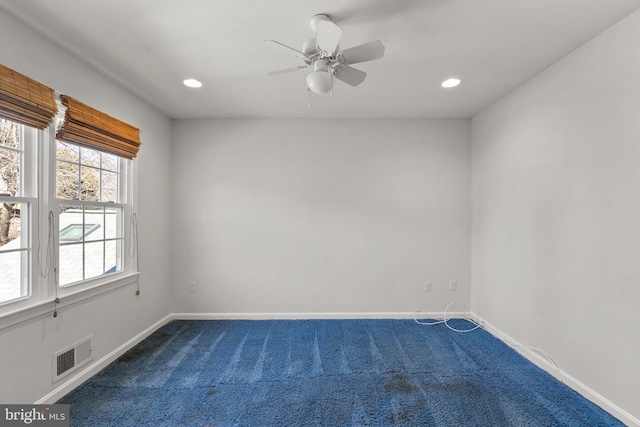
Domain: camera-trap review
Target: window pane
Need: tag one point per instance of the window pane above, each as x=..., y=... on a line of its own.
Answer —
x=10, y=158
x=89, y=184
x=93, y=259
x=113, y=221
x=9, y=172
x=94, y=223
x=67, y=181
x=67, y=152
x=10, y=226
x=10, y=277
x=69, y=216
x=90, y=157
x=70, y=264
x=13, y=251
x=10, y=134
x=110, y=162
x=111, y=264
x=109, y=187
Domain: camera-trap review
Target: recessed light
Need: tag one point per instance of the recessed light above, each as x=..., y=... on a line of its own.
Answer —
x=192, y=83
x=449, y=83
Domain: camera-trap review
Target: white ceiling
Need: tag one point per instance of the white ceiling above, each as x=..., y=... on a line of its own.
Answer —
x=150, y=46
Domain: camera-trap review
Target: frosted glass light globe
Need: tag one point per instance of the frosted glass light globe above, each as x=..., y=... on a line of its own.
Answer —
x=320, y=82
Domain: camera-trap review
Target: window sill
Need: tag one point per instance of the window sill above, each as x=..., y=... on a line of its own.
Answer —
x=42, y=308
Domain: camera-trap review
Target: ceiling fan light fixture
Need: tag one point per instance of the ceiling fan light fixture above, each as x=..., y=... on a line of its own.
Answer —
x=449, y=83
x=192, y=83
x=320, y=82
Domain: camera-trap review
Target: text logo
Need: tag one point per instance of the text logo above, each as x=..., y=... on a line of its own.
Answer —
x=34, y=415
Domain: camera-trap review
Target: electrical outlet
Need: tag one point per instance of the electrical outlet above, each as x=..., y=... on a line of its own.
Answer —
x=192, y=286
x=453, y=285
x=428, y=286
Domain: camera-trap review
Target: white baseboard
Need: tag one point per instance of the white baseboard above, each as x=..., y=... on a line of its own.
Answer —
x=93, y=368
x=332, y=315
x=546, y=365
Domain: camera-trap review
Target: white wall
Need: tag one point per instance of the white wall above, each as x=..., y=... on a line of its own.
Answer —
x=319, y=216
x=556, y=213
x=116, y=317
x=352, y=216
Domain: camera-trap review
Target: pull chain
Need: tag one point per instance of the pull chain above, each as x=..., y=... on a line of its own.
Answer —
x=332, y=83
x=309, y=90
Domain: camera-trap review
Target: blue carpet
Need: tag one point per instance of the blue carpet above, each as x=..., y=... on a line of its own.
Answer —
x=329, y=373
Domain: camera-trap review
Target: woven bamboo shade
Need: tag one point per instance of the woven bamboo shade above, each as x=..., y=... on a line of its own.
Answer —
x=26, y=101
x=88, y=127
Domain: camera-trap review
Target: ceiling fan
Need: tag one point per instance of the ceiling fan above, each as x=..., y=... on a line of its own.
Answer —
x=322, y=55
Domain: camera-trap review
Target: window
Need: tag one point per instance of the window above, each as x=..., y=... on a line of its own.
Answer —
x=16, y=185
x=90, y=204
x=65, y=197
x=89, y=201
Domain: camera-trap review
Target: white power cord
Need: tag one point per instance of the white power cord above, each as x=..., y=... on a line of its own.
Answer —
x=447, y=319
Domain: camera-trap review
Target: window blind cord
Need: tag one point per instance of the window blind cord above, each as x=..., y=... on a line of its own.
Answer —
x=46, y=269
x=54, y=264
x=514, y=346
x=49, y=264
x=133, y=245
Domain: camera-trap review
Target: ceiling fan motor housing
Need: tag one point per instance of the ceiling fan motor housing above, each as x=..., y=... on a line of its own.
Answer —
x=313, y=21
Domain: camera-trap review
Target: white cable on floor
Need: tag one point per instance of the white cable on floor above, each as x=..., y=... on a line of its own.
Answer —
x=478, y=326
x=425, y=323
x=446, y=319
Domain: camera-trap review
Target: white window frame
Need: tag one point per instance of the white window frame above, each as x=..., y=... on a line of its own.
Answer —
x=40, y=178
x=29, y=139
x=125, y=198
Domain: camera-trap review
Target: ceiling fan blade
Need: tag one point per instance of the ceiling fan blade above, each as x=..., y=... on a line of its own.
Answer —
x=287, y=49
x=350, y=75
x=364, y=52
x=286, y=70
x=327, y=36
